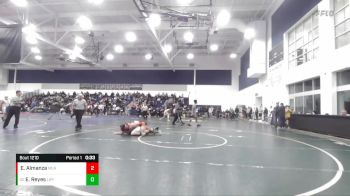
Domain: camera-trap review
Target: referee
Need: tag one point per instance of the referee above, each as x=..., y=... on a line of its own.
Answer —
x=79, y=107
x=14, y=109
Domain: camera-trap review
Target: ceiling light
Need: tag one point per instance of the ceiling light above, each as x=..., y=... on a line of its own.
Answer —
x=20, y=3
x=29, y=29
x=223, y=18
x=118, y=48
x=96, y=2
x=188, y=36
x=249, y=33
x=79, y=40
x=38, y=57
x=77, y=50
x=148, y=56
x=31, y=39
x=110, y=57
x=167, y=48
x=35, y=50
x=233, y=55
x=130, y=36
x=184, y=2
x=84, y=22
x=214, y=47
x=72, y=56
x=190, y=56
x=154, y=20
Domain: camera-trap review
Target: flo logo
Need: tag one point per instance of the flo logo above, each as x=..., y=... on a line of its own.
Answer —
x=325, y=13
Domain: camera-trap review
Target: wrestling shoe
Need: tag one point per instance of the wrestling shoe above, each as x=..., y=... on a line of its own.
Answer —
x=156, y=130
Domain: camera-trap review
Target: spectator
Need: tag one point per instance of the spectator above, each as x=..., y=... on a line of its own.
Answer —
x=281, y=116
x=266, y=112
x=275, y=113
x=288, y=115
x=237, y=112
x=5, y=107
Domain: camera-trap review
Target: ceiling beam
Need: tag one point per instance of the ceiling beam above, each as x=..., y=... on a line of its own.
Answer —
x=152, y=32
x=49, y=11
x=117, y=27
x=38, y=36
x=71, y=3
x=170, y=32
x=78, y=13
x=55, y=3
x=248, y=8
x=36, y=66
x=7, y=21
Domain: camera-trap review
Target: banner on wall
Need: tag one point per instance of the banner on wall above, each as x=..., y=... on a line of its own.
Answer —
x=89, y=86
x=276, y=54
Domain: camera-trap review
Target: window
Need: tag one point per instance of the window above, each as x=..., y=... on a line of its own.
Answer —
x=308, y=85
x=342, y=23
x=317, y=104
x=299, y=87
x=291, y=103
x=343, y=40
x=299, y=32
x=340, y=17
x=299, y=105
x=344, y=102
x=339, y=4
x=291, y=89
x=303, y=41
x=304, y=96
x=317, y=84
x=291, y=37
x=343, y=78
x=315, y=20
x=308, y=104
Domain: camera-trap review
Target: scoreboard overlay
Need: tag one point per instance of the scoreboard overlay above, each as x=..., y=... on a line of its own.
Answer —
x=57, y=169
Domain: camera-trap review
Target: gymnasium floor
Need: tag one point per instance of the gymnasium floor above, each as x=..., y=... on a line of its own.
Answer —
x=221, y=157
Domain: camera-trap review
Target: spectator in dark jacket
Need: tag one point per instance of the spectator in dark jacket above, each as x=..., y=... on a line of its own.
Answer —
x=275, y=113
x=266, y=112
x=281, y=116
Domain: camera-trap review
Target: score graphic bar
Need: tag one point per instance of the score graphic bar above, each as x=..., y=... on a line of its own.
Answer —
x=57, y=169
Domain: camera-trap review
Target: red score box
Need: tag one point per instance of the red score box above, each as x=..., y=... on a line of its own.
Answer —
x=92, y=168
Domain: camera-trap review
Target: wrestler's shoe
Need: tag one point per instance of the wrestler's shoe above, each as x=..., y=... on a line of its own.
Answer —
x=154, y=131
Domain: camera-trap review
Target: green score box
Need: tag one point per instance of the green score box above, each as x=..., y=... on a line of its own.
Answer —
x=92, y=180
